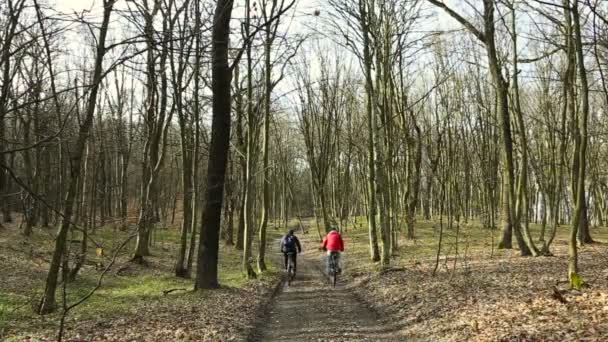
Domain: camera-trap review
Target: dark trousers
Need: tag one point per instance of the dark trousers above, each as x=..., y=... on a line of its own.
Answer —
x=295, y=260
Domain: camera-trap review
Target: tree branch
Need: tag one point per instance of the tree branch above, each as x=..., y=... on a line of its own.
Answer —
x=467, y=24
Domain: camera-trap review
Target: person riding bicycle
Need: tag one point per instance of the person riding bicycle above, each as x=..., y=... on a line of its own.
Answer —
x=333, y=244
x=291, y=245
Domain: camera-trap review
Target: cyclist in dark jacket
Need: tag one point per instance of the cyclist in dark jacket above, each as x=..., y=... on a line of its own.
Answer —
x=290, y=244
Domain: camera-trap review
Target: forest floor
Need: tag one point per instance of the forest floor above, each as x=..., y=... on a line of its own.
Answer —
x=477, y=294
x=131, y=304
x=482, y=294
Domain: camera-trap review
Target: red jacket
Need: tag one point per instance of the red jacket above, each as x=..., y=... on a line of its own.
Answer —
x=333, y=242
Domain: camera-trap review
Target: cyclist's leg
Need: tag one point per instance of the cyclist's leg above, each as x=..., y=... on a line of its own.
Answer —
x=295, y=262
x=286, y=257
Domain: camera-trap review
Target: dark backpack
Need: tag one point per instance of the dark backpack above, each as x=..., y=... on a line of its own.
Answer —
x=289, y=244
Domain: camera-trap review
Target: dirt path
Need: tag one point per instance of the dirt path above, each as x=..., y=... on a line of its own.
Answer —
x=309, y=310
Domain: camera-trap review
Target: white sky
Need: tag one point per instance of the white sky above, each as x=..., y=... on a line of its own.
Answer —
x=68, y=5
x=79, y=5
x=440, y=22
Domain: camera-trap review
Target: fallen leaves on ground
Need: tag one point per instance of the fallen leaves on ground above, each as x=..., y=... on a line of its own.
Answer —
x=219, y=315
x=225, y=314
x=502, y=299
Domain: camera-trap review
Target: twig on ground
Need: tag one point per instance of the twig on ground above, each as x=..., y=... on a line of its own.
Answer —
x=166, y=292
x=557, y=295
x=392, y=269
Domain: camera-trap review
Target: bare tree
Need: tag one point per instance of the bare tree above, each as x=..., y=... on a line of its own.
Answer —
x=157, y=117
x=487, y=37
x=48, y=303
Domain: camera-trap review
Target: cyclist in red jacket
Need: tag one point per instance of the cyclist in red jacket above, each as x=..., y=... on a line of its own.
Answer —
x=333, y=243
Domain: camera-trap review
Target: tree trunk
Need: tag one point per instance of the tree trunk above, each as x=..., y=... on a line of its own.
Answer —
x=371, y=153
x=195, y=173
x=238, y=102
x=521, y=208
x=584, y=233
x=187, y=188
x=507, y=231
x=230, y=204
x=415, y=186
x=265, y=143
x=206, y=276
x=507, y=142
x=150, y=151
x=580, y=212
x=251, y=153
x=156, y=120
x=6, y=58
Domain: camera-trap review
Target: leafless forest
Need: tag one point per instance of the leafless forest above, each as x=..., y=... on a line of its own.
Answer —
x=179, y=139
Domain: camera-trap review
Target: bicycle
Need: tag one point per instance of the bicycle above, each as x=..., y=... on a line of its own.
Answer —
x=333, y=268
x=291, y=270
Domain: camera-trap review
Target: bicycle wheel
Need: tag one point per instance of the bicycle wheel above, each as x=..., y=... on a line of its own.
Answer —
x=290, y=270
x=333, y=279
x=333, y=275
x=293, y=266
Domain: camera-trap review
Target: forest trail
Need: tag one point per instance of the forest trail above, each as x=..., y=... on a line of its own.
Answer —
x=310, y=310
